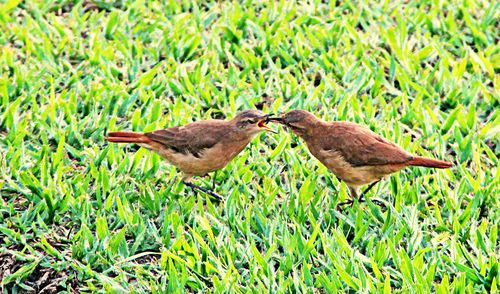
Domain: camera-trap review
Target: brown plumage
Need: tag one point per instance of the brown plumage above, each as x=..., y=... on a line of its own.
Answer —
x=355, y=154
x=200, y=147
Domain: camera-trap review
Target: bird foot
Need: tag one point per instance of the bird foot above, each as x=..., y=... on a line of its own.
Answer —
x=351, y=202
x=204, y=190
x=348, y=202
x=360, y=200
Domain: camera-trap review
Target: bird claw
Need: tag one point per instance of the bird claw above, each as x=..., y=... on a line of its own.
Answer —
x=360, y=200
x=204, y=190
x=339, y=205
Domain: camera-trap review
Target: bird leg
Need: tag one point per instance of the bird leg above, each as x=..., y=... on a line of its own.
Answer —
x=366, y=191
x=361, y=199
x=354, y=195
x=213, y=180
x=350, y=201
x=204, y=190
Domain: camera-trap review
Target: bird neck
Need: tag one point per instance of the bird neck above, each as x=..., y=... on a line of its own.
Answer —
x=312, y=129
x=238, y=136
x=236, y=142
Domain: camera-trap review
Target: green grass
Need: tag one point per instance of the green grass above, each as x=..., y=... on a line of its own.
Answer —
x=78, y=214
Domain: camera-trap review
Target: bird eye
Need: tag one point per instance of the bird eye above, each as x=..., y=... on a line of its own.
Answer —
x=245, y=123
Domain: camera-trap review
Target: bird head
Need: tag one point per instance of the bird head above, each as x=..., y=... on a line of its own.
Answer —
x=252, y=121
x=299, y=121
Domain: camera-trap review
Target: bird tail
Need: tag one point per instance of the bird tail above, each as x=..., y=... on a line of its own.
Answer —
x=127, y=137
x=429, y=162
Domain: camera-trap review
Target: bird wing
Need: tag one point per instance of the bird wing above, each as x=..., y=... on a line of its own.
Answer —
x=360, y=146
x=192, y=138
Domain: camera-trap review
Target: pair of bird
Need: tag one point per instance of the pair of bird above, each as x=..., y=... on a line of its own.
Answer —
x=354, y=153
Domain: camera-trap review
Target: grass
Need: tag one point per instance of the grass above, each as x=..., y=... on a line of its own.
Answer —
x=80, y=215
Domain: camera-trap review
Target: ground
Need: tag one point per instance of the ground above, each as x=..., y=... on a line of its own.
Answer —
x=80, y=215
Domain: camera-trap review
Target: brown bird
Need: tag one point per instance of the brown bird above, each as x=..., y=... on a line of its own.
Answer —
x=354, y=153
x=200, y=147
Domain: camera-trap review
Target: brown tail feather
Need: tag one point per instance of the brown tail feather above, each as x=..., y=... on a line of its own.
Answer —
x=127, y=134
x=127, y=137
x=429, y=162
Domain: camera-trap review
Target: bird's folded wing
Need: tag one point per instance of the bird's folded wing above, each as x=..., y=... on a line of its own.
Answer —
x=361, y=147
x=189, y=139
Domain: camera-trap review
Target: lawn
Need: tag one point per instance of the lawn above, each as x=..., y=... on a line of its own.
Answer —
x=80, y=215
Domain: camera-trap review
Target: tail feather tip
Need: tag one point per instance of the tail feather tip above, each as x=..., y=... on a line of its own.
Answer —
x=430, y=162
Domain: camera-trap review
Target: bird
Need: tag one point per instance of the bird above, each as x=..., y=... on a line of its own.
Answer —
x=201, y=147
x=354, y=153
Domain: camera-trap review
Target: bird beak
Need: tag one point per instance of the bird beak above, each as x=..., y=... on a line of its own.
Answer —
x=262, y=124
x=276, y=119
